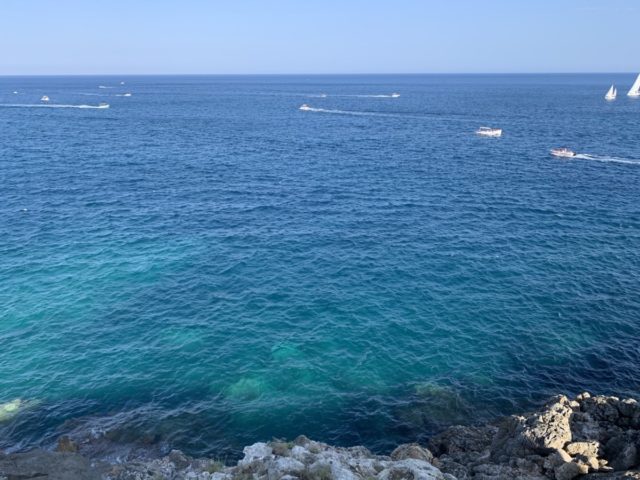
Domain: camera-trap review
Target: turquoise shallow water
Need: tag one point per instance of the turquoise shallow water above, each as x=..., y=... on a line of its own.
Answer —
x=204, y=265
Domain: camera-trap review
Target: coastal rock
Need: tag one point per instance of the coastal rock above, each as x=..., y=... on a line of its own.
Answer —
x=592, y=436
x=588, y=449
x=255, y=452
x=411, y=469
x=622, y=451
x=541, y=432
x=412, y=450
x=556, y=460
x=589, y=437
x=569, y=471
x=65, y=444
x=42, y=465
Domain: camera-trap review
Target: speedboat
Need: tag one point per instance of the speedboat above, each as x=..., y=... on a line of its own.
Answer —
x=44, y=98
x=121, y=83
x=395, y=95
x=305, y=107
x=15, y=92
x=563, y=152
x=323, y=95
x=489, y=132
x=126, y=95
x=103, y=105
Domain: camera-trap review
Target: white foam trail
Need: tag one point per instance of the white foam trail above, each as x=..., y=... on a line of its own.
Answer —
x=350, y=112
x=367, y=96
x=598, y=158
x=375, y=96
x=37, y=105
x=103, y=86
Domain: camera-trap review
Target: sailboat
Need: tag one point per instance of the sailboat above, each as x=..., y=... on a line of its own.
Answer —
x=635, y=89
x=612, y=93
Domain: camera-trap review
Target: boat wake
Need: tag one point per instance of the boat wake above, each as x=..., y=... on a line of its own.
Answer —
x=602, y=158
x=374, y=96
x=37, y=105
x=392, y=95
x=348, y=112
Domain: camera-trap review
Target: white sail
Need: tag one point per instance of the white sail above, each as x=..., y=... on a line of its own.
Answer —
x=635, y=89
x=611, y=94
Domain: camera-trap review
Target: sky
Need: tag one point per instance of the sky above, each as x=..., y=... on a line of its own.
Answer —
x=39, y=37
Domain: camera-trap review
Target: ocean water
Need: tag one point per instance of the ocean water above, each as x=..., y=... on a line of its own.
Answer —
x=203, y=265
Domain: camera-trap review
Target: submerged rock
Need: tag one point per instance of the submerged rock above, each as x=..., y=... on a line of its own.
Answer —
x=247, y=389
x=11, y=409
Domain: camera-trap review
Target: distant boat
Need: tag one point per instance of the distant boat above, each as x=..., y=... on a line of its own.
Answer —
x=126, y=95
x=395, y=95
x=15, y=92
x=563, y=152
x=103, y=105
x=635, y=89
x=323, y=95
x=44, y=98
x=612, y=93
x=305, y=107
x=489, y=132
x=121, y=83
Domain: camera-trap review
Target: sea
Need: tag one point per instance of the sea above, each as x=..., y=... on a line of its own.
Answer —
x=203, y=265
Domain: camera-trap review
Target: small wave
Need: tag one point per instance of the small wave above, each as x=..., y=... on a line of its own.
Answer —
x=599, y=158
x=37, y=105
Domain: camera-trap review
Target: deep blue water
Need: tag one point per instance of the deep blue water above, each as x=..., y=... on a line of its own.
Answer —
x=205, y=265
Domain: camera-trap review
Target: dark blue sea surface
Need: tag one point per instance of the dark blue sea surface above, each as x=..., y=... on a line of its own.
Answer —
x=205, y=265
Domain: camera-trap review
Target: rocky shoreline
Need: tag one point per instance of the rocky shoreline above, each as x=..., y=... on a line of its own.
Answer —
x=589, y=437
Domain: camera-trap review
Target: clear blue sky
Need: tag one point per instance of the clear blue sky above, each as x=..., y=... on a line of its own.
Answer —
x=313, y=36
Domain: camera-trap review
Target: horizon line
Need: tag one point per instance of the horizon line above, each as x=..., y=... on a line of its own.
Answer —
x=302, y=74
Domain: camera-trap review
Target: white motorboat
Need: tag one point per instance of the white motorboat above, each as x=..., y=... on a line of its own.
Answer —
x=563, y=152
x=395, y=95
x=126, y=95
x=44, y=98
x=635, y=89
x=121, y=83
x=612, y=93
x=15, y=92
x=103, y=105
x=489, y=132
x=304, y=107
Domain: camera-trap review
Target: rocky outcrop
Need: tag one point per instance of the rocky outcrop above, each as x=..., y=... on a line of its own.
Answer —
x=592, y=437
x=588, y=438
x=302, y=459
